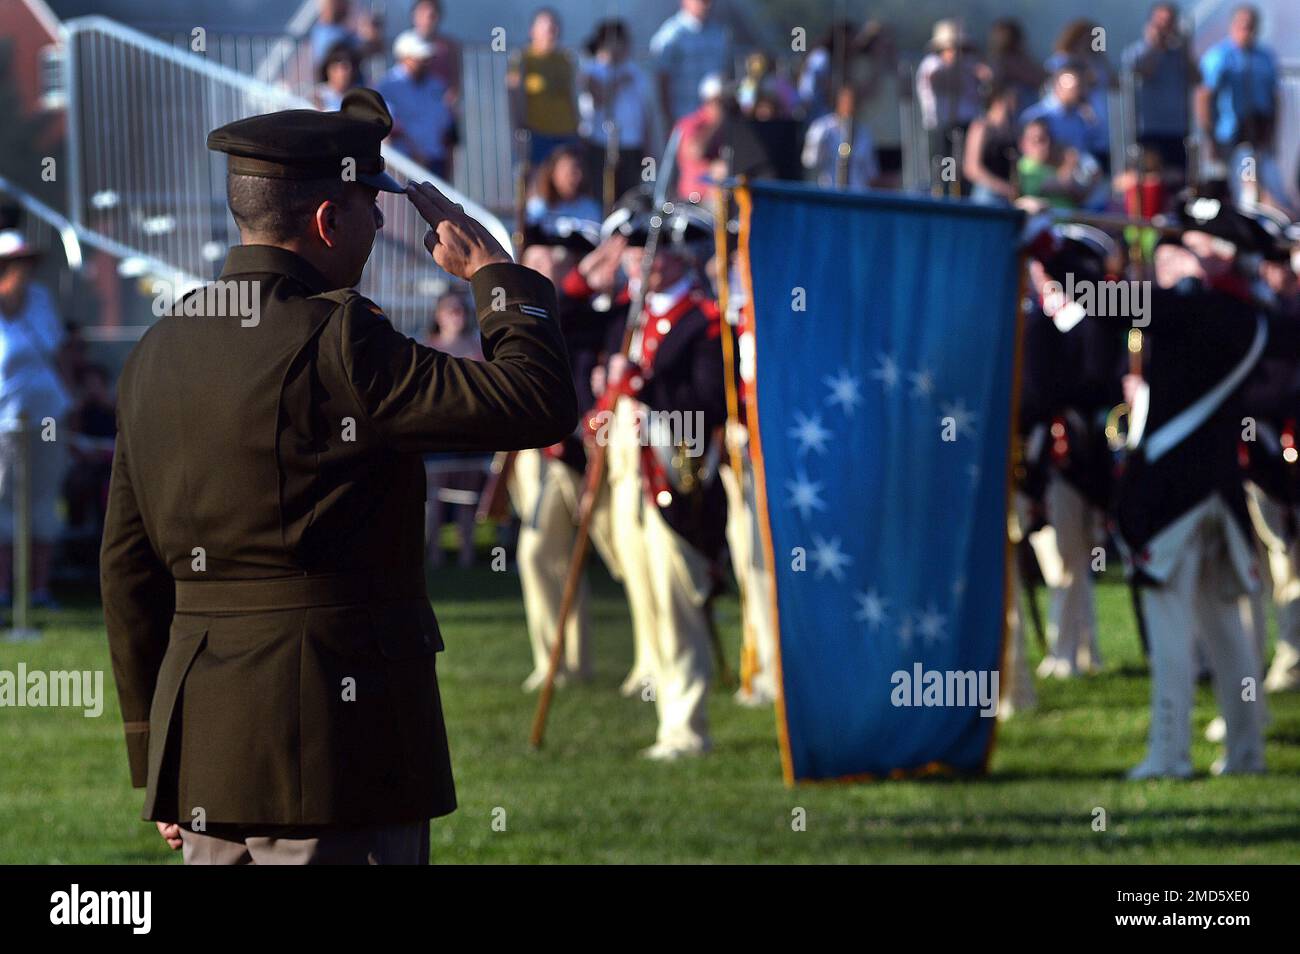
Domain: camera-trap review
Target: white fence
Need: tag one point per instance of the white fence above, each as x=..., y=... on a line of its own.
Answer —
x=141, y=176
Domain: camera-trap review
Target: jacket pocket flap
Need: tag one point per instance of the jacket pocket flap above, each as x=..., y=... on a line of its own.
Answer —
x=406, y=630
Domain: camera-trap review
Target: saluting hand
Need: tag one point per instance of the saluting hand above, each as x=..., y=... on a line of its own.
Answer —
x=459, y=243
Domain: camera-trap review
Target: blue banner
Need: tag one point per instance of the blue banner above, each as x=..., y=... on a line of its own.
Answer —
x=885, y=337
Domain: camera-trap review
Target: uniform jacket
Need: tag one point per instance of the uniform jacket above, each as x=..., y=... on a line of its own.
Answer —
x=262, y=564
x=1195, y=339
x=682, y=364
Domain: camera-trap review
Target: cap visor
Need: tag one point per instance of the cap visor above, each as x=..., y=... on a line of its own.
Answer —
x=381, y=181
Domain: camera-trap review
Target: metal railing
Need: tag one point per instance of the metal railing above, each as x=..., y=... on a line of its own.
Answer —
x=142, y=179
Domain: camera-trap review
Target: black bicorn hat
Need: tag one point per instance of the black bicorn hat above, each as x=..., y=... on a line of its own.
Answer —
x=308, y=144
x=1254, y=229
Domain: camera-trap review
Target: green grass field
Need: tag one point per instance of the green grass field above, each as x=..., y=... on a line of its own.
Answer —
x=65, y=796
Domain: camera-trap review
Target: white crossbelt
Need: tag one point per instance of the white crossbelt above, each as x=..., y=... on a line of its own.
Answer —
x=1185, y=422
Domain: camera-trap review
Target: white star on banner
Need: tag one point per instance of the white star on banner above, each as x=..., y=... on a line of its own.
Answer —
x=805, y=495
x=931, y=625
x=963, y=418
x=922, y=383
x=871, y=609
x=829, y=557
x=844, y=390
x=886, y=372
x=810, y=434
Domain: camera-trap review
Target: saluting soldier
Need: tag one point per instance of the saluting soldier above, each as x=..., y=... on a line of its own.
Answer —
x=1181, y=509
x=262, y=564
x=664, y=448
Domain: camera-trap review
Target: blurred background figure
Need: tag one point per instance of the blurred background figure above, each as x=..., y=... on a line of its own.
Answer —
x=825, y=67
x=1080, y=47
x=763, y=83
x=339, y=72
x=1069, y=113
x=561, y=189
x=1164, y=76
x=446, y=56
x=948, y=89
x=614, y=108
x=878, y=77
x=699, y=147
x=453, y=332
x=1047, y=173
x=335, y=24
x=991, y=149
x=1236, y=108
x=31, y=390
x=689, y=46
x=93, y=423
x=542, y=82
x=423, y=124
x=838, y=150
x=1010, y=64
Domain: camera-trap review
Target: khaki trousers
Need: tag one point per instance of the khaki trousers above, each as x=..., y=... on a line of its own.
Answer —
x=247, y=845
x=546, y=495
x=1202, y=592
x=627, y=508
x=667, y=583
x=745, y=544
x=1283, y=565
x=1065, y=556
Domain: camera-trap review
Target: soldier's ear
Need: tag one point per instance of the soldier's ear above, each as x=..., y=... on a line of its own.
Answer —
x=326, y=222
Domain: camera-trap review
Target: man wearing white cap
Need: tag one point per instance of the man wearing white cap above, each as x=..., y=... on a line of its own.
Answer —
x=31, y=390
x=423, y=123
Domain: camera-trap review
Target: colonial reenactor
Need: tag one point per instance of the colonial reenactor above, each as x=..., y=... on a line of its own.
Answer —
x=1071, y=357
x=546, y=485
x=664, y=447
x=1181, y=510
x=1271, y=399
x=262, y=564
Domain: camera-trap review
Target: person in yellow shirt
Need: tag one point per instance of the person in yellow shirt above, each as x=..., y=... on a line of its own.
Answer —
x=541, y=80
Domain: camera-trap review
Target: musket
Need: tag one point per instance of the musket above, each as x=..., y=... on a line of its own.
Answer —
x=595, y=473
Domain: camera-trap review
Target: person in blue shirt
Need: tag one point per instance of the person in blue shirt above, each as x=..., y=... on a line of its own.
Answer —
x=1070, y=118
x=1237, y=100
x=422, y=120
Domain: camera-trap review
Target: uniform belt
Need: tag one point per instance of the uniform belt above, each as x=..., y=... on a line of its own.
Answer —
x=293, y=592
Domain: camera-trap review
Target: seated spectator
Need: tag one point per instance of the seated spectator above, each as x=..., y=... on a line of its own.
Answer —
x=452, y=332
x=332, y=27
x=422, y=122
x=614, y=104
x=698, y=147
x=541, y=80
x=339, y=72
x=991, y=151
x=825, y=144
x=1047, y=173
x=560, y=189
x=1070, y=117
x=445, y=63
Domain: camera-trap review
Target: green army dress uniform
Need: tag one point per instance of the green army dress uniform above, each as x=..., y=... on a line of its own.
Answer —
x=263, y=557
